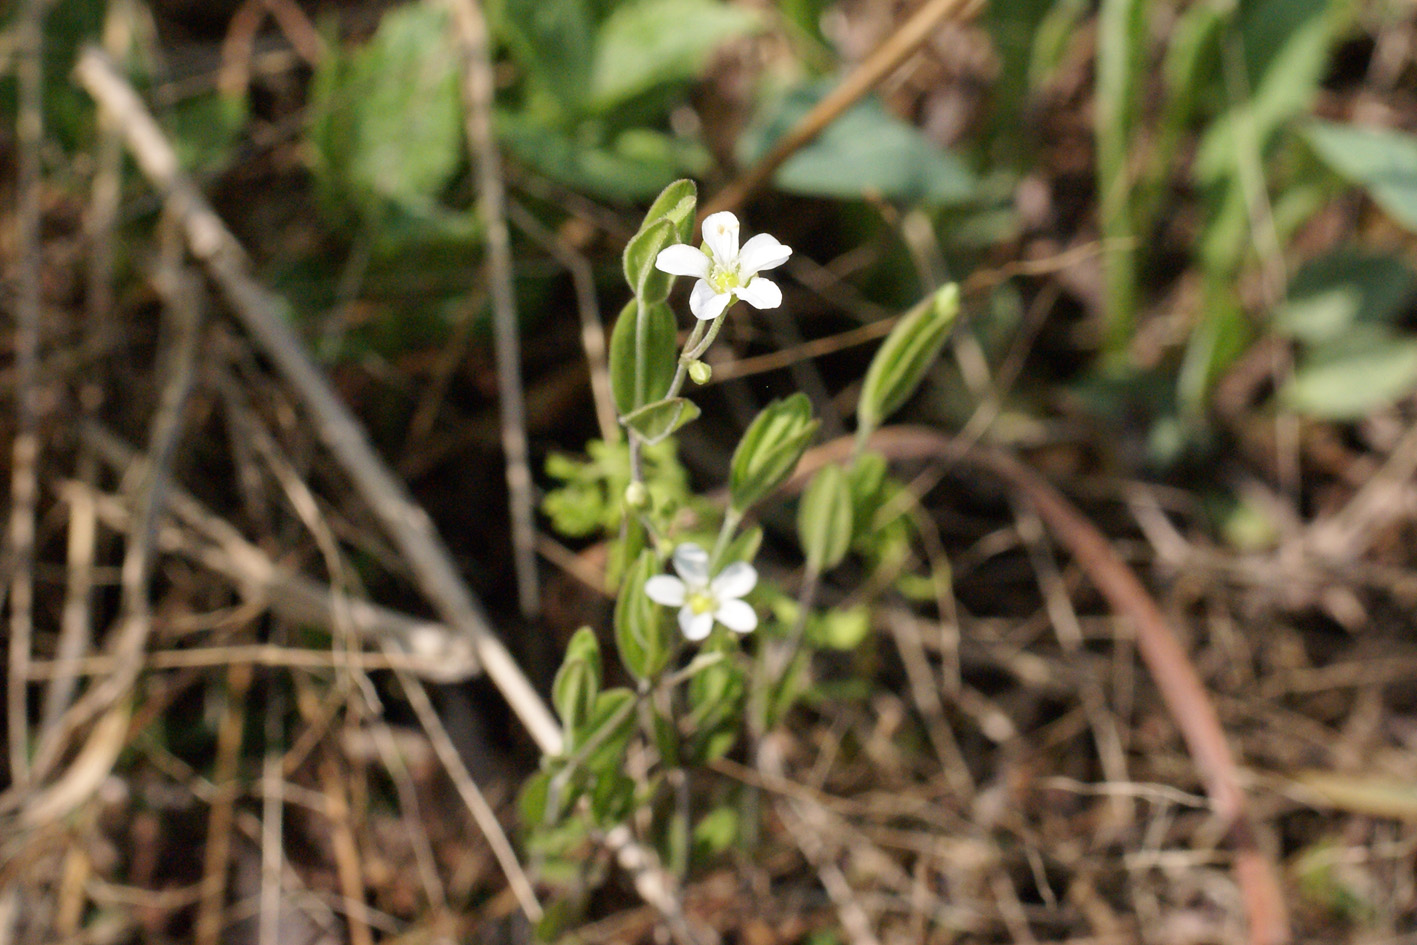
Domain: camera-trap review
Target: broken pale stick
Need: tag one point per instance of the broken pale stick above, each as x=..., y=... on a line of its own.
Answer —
x=221, y=548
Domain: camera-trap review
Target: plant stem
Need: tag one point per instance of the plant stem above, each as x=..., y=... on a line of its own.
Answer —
x=697, y=344
x=732, y=518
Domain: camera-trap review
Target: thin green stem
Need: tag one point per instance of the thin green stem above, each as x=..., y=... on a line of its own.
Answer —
x=694, y=348
x=732, y=518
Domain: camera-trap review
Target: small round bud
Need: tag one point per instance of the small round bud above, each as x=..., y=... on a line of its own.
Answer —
x=699, y=372
x=636, y=495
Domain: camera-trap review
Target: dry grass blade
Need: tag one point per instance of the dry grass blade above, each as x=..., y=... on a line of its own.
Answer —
x=807, y=826
x=471, y=28
x=592, y=326
x=24, y=450
x=482, y=813
x=210, y=912
x=129, y=640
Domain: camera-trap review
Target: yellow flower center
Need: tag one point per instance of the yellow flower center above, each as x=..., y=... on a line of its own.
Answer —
x=700, y=603
x=723, y=280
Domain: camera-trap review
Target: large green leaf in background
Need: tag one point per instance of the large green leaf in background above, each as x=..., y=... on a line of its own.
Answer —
x=1380, y=160
x=635, y=165
x=1332, y=294
x=647, y=43
x=1347, y=378
x=866, y=150
x=1353, y=359
x=1283, y=47
x=387, y=120
x=553, y=41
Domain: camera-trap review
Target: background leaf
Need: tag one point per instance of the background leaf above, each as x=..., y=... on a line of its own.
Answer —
x=1349, y=377
x=646, y=44
x=1382, y=161
x=553, y=41
x=866, y=150
x=388, y=120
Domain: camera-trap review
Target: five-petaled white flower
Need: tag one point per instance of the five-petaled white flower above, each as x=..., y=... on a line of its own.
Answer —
x=724, y=271
x=701, y=601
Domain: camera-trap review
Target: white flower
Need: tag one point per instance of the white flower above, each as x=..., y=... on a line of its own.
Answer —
x=724, y=271
x=701, y=601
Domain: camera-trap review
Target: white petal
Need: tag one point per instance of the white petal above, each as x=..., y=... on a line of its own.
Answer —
x=666, y=589
x=695, y=626
x=737, y=616
x=691, y=562
x=705, y=303
x=701, y=295
x=761, y=293
x=721, y=235
x=682, y=260
x=734, y=581
x=761, y=252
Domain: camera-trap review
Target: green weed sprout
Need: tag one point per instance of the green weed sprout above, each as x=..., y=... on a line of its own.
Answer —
x=714, y=652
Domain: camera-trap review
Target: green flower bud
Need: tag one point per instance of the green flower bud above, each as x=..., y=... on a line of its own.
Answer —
x=700, y=372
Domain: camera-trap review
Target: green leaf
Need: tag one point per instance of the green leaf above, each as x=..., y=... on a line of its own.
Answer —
x=909, y=350
x=865, y=478
x=770, y=449
x=609, y=727
x=715, y=704
x=656, y=421
x=387, y=121
x=1332, y=293
x=716, y=831
x=578, y=681
x=839, y=629
x=532, y=802
x=205, y=130
x=645, y=44
x=612, y=798
x=647, y=282
x=1285, y=45
x=552, y=40
x=632, y=166
x=824, y=519
x=1382, y=161
x=677, y=203
x=744, y=546
x=643, y=355
x=784, y=691
x=866, y=150
x=1366, y=369
x=639, y=626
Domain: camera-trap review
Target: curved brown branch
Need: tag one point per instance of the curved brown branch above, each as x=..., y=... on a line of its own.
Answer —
x=1167, y=662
